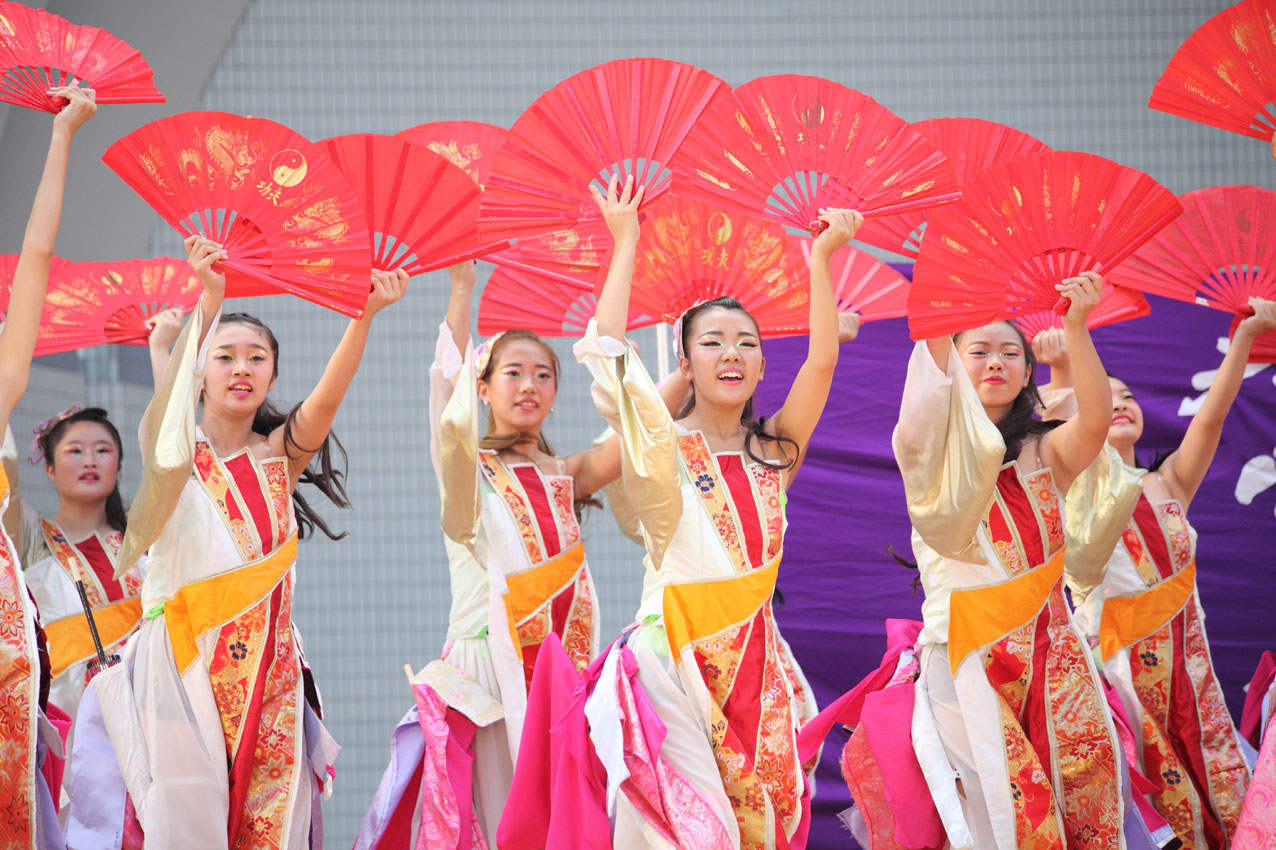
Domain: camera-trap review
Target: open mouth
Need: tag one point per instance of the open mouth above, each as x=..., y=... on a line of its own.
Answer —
x=241, y=390
x=90, y=477
x=732, y=377
x=1122, y=419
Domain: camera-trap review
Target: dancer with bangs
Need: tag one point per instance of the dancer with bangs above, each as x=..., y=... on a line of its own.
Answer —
x=1010, y=728
x=518, y=573
x=1134, y=588
x=30, y=770
x=705, y=659
x=83, y=455
x=212, y=717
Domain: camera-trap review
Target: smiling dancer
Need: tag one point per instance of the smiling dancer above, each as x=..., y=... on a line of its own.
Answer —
x=30, y=746
x=1010, y=727
x=1141, y=602
x=511, y=510
x=709, y=487
x=211, y=714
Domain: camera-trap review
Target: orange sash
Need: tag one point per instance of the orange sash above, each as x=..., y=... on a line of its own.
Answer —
x=70, y=640
x=979, y=616
x=1129, y=619
x=529, y=590
x=695, y=610
x=206, y=604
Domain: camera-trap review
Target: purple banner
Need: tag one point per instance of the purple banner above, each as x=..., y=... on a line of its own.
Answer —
x=847, y=505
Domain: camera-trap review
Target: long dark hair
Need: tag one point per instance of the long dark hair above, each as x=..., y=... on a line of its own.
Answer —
x=325, y=476
x=496, y=442
x=757, y=426
x=1020, y=423
x=116, y=517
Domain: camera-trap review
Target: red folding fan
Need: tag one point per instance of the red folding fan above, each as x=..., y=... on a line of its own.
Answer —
x=1224, y=75
x=626, y=117
x=469, y=145
x=1116, y=304
x=540, y=302
x=286, y=215
x=864, y=284
x=786, y=146
x=971, y=145
x=1024, y=225
x=1218, y=254
x=41, y=51
x=421, y=208
x=92, y=304
x=691, y=252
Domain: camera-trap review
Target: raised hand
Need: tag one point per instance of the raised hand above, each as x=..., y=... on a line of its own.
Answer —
x=1050, y=347
x=848, y=324
x=165, y=326
x=80, y=107
x=1263, y=320
x=387, y=288
x=202, y=254
x=1082, y=293
x=464, y=274
x=619, y=208
x=842, y=227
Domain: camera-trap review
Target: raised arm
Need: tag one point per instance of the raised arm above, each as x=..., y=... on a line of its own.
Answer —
x=1071, y=447
x=31, y=277
x=165, y=326
x=464, y=276
x=797, y=418
x=1184, y=470
x=313, y=421
x=620, y=211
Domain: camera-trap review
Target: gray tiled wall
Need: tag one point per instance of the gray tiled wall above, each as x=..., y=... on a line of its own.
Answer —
x=1075, y=74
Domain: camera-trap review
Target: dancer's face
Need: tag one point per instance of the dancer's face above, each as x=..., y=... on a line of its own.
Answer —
x=240, y=370
x=1127, y=416
x=723, y=357
x=521, y=387
x=85, y=463
x=995, y=361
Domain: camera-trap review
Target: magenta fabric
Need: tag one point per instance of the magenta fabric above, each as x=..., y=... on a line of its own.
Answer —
x=1251, y=725
x=54, y=766
x=847, y=505
x=558, y=799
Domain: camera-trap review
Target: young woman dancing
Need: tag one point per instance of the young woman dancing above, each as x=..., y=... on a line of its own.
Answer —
x=518, y=575
x=1139, y=600
x=708, y=486
x=212, y=717
x=1010, y=728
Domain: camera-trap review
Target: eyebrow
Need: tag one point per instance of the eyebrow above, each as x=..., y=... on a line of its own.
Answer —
x=255, y=345
x=986, y=342
x=723, y=333
x=520, y=365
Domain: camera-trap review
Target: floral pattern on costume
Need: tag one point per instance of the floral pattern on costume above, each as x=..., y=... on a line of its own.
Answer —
x=17, y=700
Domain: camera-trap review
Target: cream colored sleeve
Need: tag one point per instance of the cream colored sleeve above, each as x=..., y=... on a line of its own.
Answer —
x=167, y=435
x=949, y=453
x=1099, y=504
x=454, y=436
x=627, y=398
x=618, y=500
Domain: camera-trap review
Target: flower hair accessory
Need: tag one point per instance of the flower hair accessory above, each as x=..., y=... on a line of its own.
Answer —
x=35, y=455
x=484, y=353
x=677, y=329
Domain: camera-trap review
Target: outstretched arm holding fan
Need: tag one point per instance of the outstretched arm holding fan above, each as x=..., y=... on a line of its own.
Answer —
x=31, y=277
x=1183, y=470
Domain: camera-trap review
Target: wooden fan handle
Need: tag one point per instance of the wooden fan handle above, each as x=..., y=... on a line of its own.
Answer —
x=817, y=227
x=1061, y=306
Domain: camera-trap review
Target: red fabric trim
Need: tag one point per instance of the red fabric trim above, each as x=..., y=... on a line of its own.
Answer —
x=397, y=834
x=241, y=768
x=250, y=490
x=746, y=506
x=743, y=706
x=1154, y=538
x=100, y=562
x=534, y=487
x=1184, y=722
x=1022, y=516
